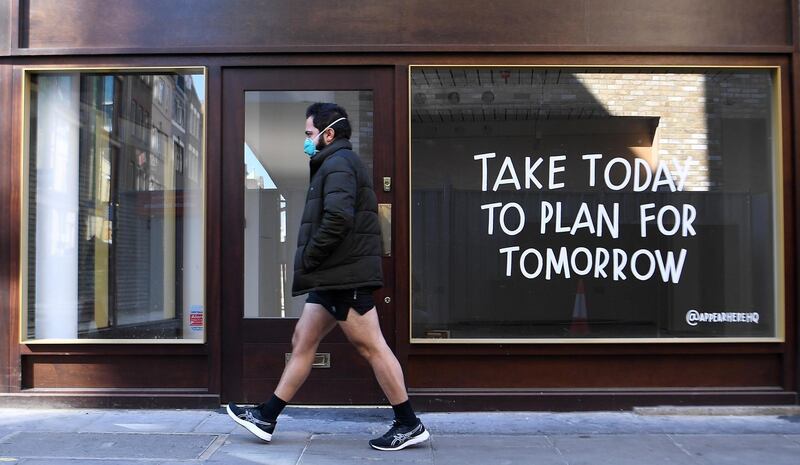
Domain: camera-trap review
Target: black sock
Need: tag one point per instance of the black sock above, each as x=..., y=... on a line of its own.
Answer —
x=404, y=414
x=272, y=408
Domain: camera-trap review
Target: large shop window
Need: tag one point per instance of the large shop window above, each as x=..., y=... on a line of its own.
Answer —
x=113, y=206
x=581, y=204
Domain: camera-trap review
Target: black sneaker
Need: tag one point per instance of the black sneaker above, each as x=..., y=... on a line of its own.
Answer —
x=401, y=436
x=251, y=419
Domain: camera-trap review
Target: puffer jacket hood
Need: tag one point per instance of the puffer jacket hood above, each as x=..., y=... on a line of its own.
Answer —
x=339, y=243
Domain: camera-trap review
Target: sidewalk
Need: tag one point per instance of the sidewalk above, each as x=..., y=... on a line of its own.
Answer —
x=339, y=436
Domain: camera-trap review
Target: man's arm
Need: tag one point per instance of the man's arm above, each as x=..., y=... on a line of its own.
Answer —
x=339, y=201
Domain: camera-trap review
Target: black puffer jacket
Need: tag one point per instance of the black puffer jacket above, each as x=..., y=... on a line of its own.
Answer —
x=339, y=244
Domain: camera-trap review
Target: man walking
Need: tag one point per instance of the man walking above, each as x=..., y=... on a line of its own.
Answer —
x=338, y=264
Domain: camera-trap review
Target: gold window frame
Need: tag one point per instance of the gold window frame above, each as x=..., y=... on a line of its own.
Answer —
x=24, y=197
x=779, y=270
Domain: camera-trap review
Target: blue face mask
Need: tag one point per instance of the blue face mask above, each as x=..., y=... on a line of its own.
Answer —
x=310, y=147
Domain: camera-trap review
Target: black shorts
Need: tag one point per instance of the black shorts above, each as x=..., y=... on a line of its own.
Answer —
x=340, y=301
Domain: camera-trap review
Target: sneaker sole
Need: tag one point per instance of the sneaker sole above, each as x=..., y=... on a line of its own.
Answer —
x=263, y=435
x=421, y=438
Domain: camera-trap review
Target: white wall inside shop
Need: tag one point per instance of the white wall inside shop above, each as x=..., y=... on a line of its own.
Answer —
x=274, y=132
x=193, y=261
x=57, y=135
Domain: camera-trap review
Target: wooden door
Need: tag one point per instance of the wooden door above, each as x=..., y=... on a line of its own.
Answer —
x=264, y=180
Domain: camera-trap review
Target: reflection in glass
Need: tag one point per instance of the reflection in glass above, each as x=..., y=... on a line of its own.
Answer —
x=114, y=202
x=719, y=119
x=276, y=181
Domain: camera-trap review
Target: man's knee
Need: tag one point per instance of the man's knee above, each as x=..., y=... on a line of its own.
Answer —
x=303, y=339
x=364, y=350
x=368, y=348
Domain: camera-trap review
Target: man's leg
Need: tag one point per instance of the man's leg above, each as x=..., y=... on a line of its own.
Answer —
x=314, y=324
x=364, y=333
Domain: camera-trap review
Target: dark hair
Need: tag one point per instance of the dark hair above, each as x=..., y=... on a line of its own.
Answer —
x=325, y=113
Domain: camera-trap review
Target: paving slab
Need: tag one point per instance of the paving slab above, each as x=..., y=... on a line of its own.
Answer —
x=721, y=449
x=620, y=449
x=603, y=423
x=155, y=421
x=118, y=446
x=495, y=450
x=62, y=461
x=215, y=422
x=47, y=419
x=244, y=448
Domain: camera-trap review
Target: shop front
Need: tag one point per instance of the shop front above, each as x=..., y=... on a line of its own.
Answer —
x=580, y=220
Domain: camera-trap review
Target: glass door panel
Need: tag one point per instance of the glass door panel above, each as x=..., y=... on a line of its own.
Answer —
x=276, y=181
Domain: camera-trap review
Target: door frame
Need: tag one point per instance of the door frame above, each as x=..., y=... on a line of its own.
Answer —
x=235, y=82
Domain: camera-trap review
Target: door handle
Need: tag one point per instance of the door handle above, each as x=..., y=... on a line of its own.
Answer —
x=385, y=218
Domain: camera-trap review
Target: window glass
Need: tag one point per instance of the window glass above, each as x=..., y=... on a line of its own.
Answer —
x=114, y=240
x=588, y=203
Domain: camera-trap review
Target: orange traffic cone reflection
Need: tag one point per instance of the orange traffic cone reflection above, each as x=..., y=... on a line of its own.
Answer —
x=580, y=314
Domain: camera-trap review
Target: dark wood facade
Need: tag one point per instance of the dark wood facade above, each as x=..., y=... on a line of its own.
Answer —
x=391, y=35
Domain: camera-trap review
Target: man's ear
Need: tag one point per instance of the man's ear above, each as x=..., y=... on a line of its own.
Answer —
x=332, y=135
